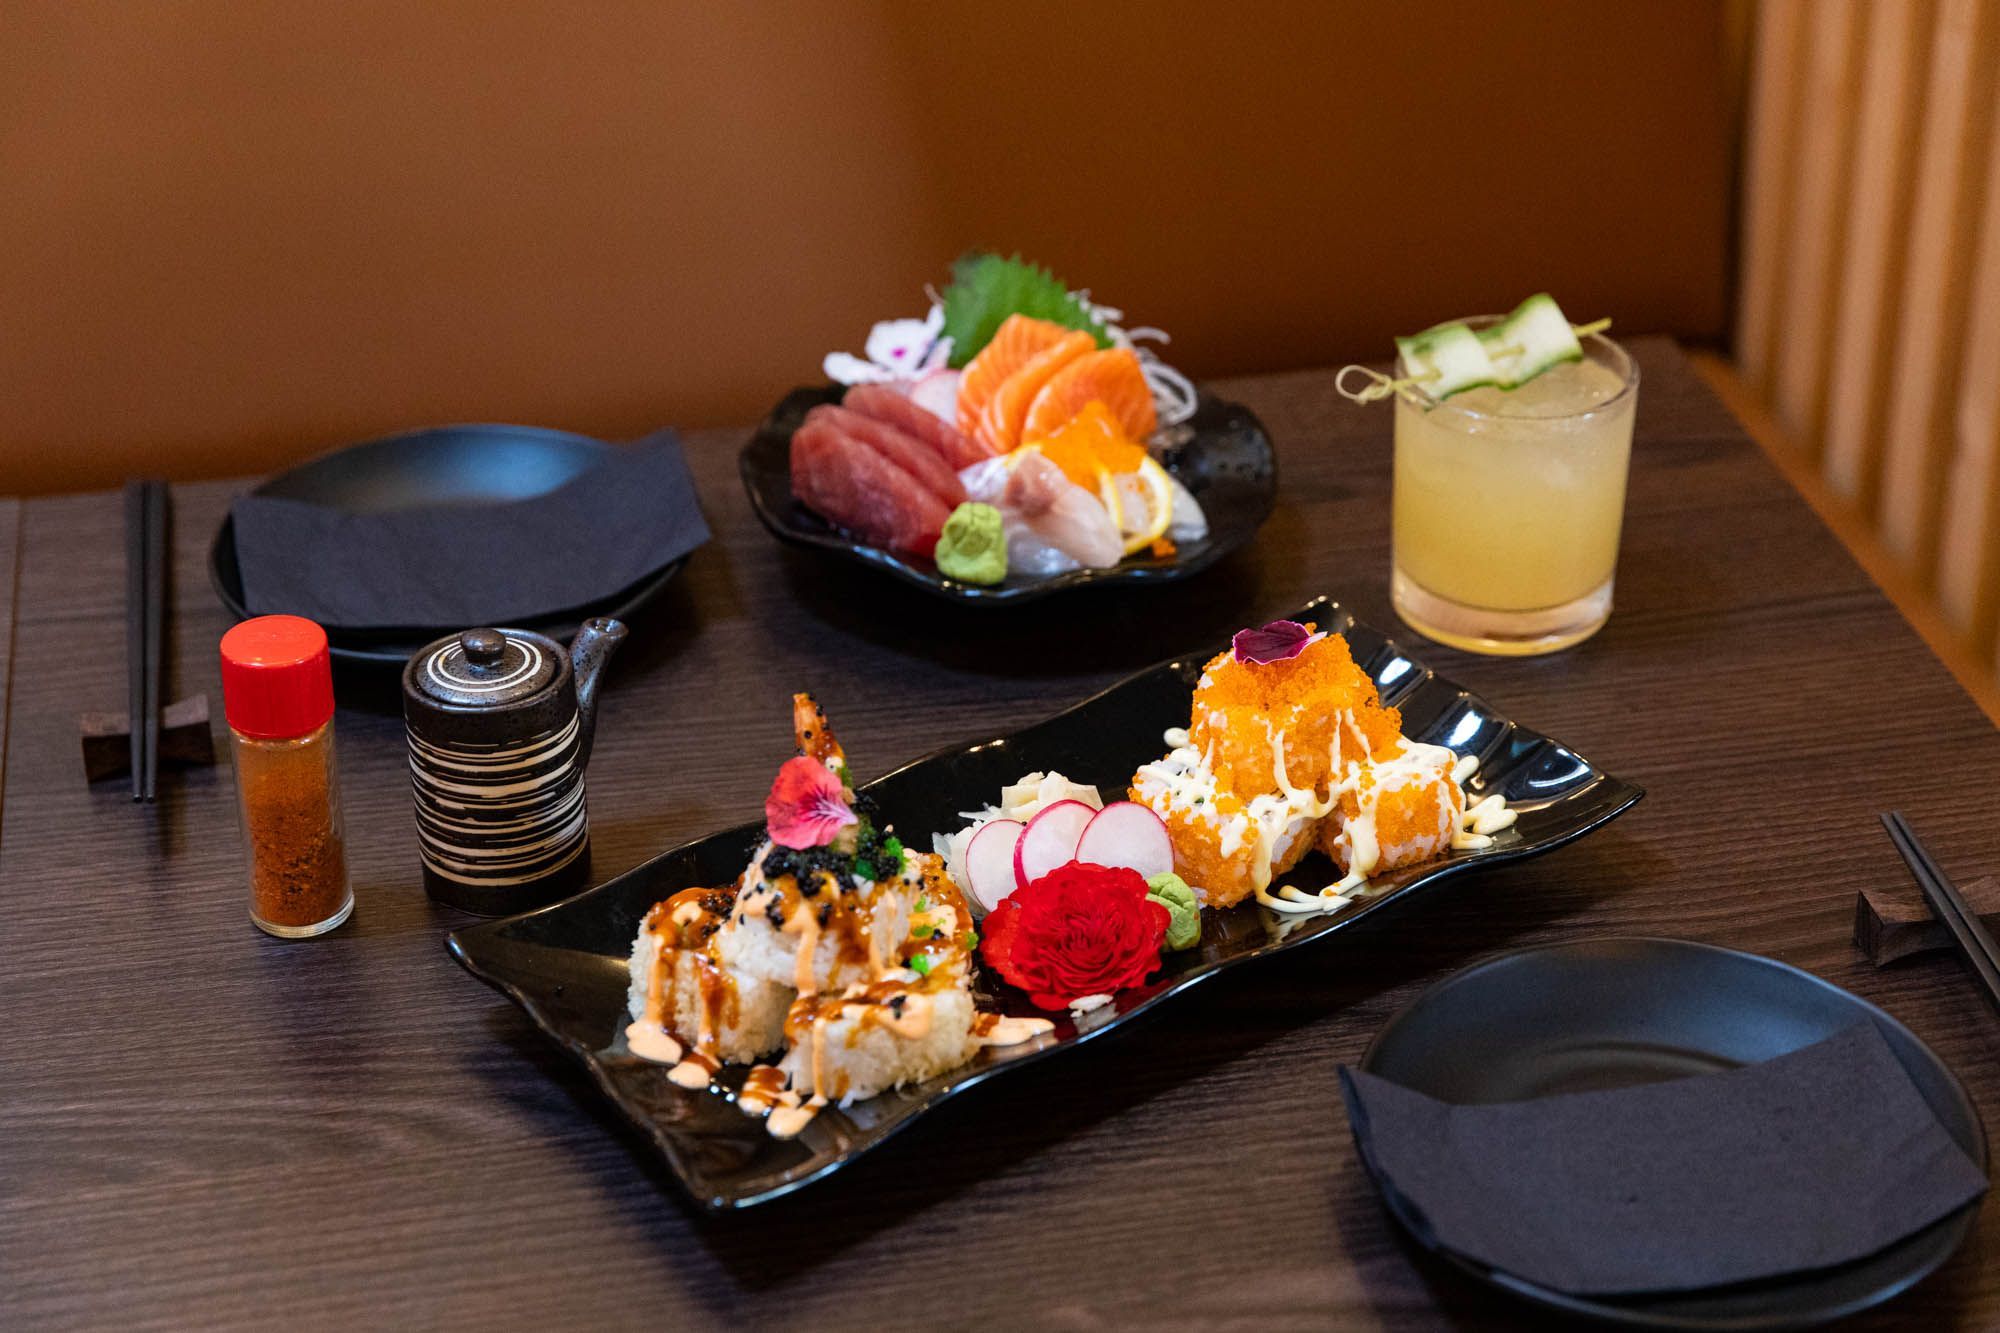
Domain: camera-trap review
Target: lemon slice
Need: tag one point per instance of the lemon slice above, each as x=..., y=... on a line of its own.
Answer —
x=1145, y=504
x=1108, y=494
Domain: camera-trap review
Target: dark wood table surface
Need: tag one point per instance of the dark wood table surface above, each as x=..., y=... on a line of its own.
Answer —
x=200, y=1125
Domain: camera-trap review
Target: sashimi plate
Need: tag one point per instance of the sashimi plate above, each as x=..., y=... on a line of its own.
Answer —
x=1221, y=454
x=565, y=965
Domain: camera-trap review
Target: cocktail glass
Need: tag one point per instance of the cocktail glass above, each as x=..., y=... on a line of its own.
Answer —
x=1508, y=505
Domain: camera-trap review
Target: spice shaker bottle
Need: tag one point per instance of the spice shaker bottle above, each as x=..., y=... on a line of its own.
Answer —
x=277, y=692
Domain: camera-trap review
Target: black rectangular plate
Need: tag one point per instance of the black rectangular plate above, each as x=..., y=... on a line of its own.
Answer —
x=566, y=964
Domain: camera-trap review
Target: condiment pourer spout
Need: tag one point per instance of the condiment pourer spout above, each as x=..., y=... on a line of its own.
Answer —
x=588, y=653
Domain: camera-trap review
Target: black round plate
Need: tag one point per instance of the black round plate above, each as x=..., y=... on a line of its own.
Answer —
x=1222, y=455
x=1613, y=1013
x=472, y=465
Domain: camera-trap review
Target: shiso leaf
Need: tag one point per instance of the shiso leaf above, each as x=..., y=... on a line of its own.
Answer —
x=986, y=288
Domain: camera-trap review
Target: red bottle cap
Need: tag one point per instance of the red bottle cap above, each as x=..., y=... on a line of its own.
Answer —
x=277, y=677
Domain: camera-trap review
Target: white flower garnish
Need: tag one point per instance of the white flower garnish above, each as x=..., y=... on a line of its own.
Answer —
x=897, y=349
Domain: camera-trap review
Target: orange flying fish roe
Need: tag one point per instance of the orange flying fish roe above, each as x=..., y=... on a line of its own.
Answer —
x=1240, y=707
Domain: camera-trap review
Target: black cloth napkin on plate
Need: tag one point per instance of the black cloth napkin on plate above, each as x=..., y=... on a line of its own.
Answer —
x=1817, y=1157
x=448, y=567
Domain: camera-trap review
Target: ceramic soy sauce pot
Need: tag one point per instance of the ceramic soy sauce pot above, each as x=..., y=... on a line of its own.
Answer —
x=499, y=724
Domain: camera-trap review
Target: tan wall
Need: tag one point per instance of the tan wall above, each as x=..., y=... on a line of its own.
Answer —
x=237, y=232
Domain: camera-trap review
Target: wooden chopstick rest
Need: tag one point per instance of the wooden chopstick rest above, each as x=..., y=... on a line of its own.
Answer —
x=185, y=739
x=1894, y=922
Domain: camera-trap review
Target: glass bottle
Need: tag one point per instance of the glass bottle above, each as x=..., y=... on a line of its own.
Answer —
x=277, y=693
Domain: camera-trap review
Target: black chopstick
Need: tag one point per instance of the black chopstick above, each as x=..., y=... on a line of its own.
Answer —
x=1950, y=907
x=135, y=629
x=156, y=615
x=145, y=613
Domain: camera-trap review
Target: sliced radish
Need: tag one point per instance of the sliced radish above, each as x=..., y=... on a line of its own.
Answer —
x=989, y=861
x=1126, y=833
x=1050, y=840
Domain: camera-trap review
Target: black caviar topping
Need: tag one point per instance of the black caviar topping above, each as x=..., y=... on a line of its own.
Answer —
x=809, y=866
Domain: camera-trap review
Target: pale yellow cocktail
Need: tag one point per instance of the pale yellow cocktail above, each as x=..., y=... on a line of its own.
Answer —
x=1508, y=505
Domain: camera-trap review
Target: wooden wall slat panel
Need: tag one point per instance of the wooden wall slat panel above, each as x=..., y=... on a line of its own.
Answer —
x=1868, y=323
x=1968, y=576
x=1824, y=147
x=1896, y=53
x=1944, y=217
x=1768, y=162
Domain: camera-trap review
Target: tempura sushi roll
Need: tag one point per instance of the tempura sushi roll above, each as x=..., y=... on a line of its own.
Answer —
x=1402, y=810
x=1224, y=848
x=1322, y=705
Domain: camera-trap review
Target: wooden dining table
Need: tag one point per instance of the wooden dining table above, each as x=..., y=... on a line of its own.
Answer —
x=204, y=1126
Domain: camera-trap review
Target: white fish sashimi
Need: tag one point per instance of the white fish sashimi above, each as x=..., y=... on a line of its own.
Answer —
x=985, y=480
x=1188, y=523
x=1061, y=513
x=1053, y=525
x=1028, y=553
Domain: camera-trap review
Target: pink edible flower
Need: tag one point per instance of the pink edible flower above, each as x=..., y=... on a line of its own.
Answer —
x=1272, y=643
x=807, y=806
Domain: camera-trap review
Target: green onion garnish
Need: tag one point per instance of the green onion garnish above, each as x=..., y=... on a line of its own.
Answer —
x=920, y=964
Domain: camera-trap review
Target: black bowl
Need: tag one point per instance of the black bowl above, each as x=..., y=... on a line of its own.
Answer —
x=1222, y=455
x=1612, y=1013
x=566, y=964
x=470, y=465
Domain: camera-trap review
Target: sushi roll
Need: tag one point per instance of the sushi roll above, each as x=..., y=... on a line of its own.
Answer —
x=820, y=935
x=913, y=1023
x=902, y=1030
x=678, y=986
x=1224, y=847
x=1323, y=706
x=1402, y=810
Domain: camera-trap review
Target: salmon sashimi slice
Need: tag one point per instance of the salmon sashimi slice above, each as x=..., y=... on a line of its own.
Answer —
x=1015, y=343
x=850, y=485
x=1111, y=377
x=1007, y=411
x=958, y=450
x=906, y=451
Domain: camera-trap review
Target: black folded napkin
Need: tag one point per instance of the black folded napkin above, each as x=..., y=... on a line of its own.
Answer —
x=1812, y=1159
x=454, y=566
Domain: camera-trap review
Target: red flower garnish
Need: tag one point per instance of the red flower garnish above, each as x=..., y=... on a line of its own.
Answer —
x=1273, y=643
x=1079, y=930
x=807, y=806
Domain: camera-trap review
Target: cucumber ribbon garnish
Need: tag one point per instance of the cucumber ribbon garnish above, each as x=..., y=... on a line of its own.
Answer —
x=1453, y=357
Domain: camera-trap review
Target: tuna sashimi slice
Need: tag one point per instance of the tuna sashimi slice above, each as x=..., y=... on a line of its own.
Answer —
x=906, y=415
x=856, y=488
x=1007, y=411
x=906, y=451
x=1111, y=377
x=1016, y=342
